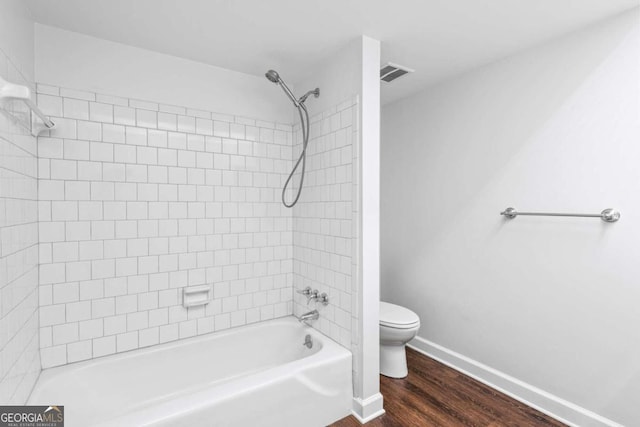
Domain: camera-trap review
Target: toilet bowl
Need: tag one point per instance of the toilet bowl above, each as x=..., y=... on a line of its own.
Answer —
x=398, y=326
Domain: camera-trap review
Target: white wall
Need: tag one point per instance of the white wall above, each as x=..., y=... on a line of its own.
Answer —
x=19, y=356
x=548, y=301
x=77, y=61
x=329, y=219
x=17, y=37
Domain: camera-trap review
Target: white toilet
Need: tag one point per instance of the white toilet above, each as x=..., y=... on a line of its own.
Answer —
x=398, y=326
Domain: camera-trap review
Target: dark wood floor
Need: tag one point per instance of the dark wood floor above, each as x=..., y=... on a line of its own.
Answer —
x=435, y=395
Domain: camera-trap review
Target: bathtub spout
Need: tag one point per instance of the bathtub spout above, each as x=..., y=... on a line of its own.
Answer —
x=312, y=315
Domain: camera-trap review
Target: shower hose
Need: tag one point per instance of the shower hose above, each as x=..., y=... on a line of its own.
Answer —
x=304, y=125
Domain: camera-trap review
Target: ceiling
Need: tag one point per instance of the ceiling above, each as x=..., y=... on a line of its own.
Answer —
x=438, y=38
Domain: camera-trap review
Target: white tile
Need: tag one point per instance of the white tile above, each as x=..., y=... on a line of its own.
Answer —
x=204, y=126
x=113, y=133
x=168, y=333
x=157, y=138
x=64, y=251
x=167, y=121
x=90, y=329
x=77, y=94
x=91, y=289
x=76, y=109
x=113, y=172
x=102, y=230
x=118, y=210
x=102, y=190
x=91, y=250
x=136, y=136
x=177, y=140
x=104, y=346
x=115, y=325
x=63, y=169
x=167, y=157
x=143, y=104
x=65, y=128
x=113, y=100
x=136, y=173
x=50, y=105
x=78, y=311
x=80, y=350
x=147, y=118
x=147, y=155
x=101, y=269
x=124, y=153
x=50, y=147
x=101, y=308
x=127, y=341
x=99, y=112
x=89, y=171
x=65, y=333
x=125, y=191
x=149, y=337
x=147, y=192
x=77, y=190
x=75, y=271
x=173, y=109
x=52, y=315
x=89, y=211
x=48, y=89
x=186, y=124
x=221, y=129
x=53, y=356
x=124, y=115
x=137, y=320
x=76, y=149
x=89, y=131
x=51, y=231
x=101, y=152
x=157, y=174
x=126, y=304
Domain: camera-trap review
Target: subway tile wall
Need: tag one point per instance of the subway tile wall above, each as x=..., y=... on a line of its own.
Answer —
x=138, y=200
x=326, y=222
x=19, y=353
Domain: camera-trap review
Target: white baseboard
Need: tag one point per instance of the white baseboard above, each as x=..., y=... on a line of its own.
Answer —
x=547, y=403
x=367, y=409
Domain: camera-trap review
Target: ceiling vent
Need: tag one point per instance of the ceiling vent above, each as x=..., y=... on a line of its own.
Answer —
x=392, y=71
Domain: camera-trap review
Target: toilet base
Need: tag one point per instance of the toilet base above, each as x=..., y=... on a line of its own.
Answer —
x=393, y=361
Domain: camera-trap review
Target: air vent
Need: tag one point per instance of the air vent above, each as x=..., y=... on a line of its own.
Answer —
x=391, y=72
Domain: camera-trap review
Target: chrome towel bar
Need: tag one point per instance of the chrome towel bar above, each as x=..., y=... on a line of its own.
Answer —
x=607, y=215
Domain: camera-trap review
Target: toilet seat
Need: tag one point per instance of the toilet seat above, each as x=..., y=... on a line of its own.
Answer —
x=397, y=317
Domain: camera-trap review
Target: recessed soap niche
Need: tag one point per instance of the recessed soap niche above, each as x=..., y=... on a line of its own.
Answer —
x=195, y=296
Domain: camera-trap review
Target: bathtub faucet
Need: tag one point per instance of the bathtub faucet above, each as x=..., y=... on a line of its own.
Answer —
x=312, y=315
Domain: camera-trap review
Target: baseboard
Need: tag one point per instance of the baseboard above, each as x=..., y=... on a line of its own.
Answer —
x=547, y=403
x=367, y=409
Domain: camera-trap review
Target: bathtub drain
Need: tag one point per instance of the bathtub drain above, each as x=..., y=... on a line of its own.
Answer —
x=308, y=341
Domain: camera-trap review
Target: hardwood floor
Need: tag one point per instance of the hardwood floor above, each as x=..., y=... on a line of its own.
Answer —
x=435, y=395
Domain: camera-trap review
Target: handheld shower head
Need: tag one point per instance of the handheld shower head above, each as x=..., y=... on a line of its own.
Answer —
x=274, y=77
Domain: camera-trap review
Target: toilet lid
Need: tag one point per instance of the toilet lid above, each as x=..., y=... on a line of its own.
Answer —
x=392, y=315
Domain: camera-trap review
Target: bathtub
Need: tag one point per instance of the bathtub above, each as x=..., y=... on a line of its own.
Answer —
x=257, y=375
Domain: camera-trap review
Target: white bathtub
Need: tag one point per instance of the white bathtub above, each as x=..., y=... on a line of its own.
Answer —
x=258, y=375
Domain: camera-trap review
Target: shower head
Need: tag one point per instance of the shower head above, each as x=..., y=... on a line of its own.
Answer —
x=274, y=77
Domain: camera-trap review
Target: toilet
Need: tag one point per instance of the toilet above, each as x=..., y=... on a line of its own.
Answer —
x=398, y=326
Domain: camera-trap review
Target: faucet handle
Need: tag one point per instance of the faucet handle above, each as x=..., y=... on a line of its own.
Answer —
x=306, y=291
x=313, y=295
x=323, y=298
